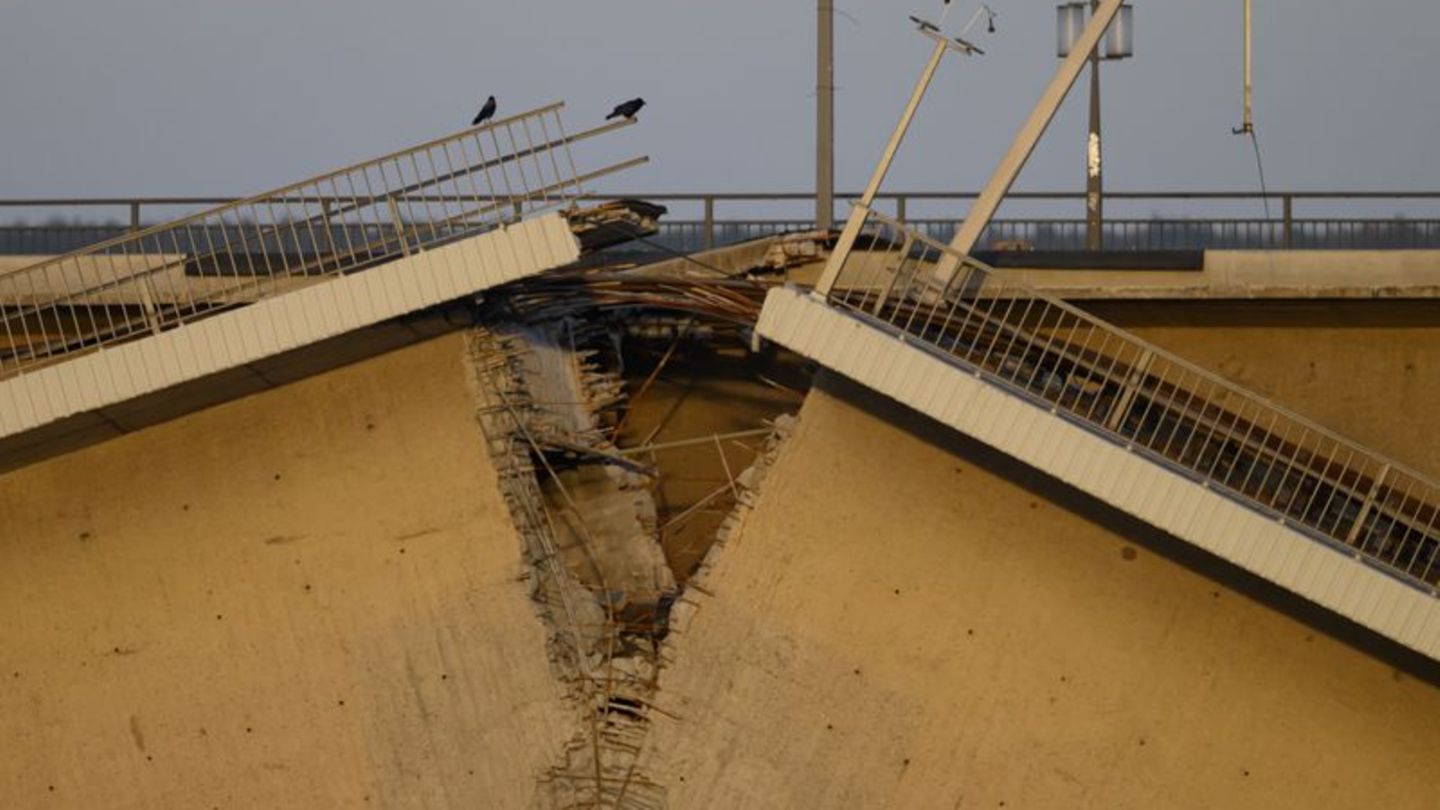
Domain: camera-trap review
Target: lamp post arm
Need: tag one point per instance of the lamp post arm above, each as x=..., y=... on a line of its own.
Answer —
x=851, y=232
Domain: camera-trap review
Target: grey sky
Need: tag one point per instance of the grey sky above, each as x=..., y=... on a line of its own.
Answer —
x=231, y=96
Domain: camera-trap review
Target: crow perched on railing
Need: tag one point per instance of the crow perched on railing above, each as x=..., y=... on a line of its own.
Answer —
x=627, y=109
x=486, y=112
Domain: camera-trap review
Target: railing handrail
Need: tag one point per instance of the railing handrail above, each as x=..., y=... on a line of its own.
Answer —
x=1041, y=220
x=279, y=194
x=762, y=196
x=1037, y=220
x=1020, y=288
x=481, y=177
x=1205, y=204
x=1211, y=430
x=1053, y=232
x=1017, y=288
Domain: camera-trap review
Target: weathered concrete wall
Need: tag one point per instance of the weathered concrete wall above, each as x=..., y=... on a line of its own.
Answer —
x=1240, y=275
x=306, y=598
x=1244, y=274
x=160, y=646
x=908, y=620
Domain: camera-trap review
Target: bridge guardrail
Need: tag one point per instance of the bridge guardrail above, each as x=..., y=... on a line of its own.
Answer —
x=711, y=220
x=1154, y=402
x=336, y=223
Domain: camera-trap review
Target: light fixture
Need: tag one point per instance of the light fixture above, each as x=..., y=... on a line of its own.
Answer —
x=1069, y=22
x=1119, y=39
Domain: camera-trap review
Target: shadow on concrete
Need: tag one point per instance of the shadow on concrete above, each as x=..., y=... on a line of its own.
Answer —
x=1163, y=544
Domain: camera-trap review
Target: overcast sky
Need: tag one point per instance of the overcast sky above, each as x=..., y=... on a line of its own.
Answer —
x=100, y=97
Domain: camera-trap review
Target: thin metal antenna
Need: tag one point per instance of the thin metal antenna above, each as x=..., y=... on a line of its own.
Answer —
x=1249, y=84
x=825, y=116
x=1248, y=125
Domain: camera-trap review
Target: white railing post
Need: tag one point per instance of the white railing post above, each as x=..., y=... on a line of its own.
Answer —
x=275, y=235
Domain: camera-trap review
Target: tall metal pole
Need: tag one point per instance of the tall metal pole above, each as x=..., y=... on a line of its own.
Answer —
x=846, y=242
x=1094, y=157
x=1249, y=125
x=999, y=185
x=825, y=116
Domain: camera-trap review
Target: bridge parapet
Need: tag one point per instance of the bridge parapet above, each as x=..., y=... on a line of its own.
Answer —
x=1220, y=220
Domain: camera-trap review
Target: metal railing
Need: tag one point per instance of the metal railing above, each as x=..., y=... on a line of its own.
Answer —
x=1137, y=394
x=690, y=236
x=329, y=225
x=707, y=220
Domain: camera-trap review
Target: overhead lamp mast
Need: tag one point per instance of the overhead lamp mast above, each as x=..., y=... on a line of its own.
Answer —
x=1118, y=44
x=999, y=184
x=825, y=116
x=1247, y=127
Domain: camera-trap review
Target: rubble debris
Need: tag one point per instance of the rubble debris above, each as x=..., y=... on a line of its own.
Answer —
x=615, y=223
x=599, y=581
x=558, y=373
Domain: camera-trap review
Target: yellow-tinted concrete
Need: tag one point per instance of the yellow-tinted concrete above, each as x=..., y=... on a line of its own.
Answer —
x=1245, y=274
x=305, y=598
x=141, y=638
x=907, y=620
x=1238, y=275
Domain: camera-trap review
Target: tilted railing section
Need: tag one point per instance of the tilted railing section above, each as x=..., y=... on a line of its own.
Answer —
x=1140, y=395
x=338, y=223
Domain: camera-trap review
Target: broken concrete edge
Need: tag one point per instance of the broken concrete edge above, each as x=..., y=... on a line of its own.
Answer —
x=751, y=483
x=607, y=673
x=538, y=389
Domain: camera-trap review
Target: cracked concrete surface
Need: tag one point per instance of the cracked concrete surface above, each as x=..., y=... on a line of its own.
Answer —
x=309, y=597
x=908, y=620
x=315, y=595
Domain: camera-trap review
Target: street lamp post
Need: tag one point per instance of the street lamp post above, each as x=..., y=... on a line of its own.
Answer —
x=985, y=205
x=825, y=116
x=1118, y=45
x=1094, y=178
x=1247, y=127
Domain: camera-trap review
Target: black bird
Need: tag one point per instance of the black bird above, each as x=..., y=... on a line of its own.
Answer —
x=628, y=109
x=486, y=112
